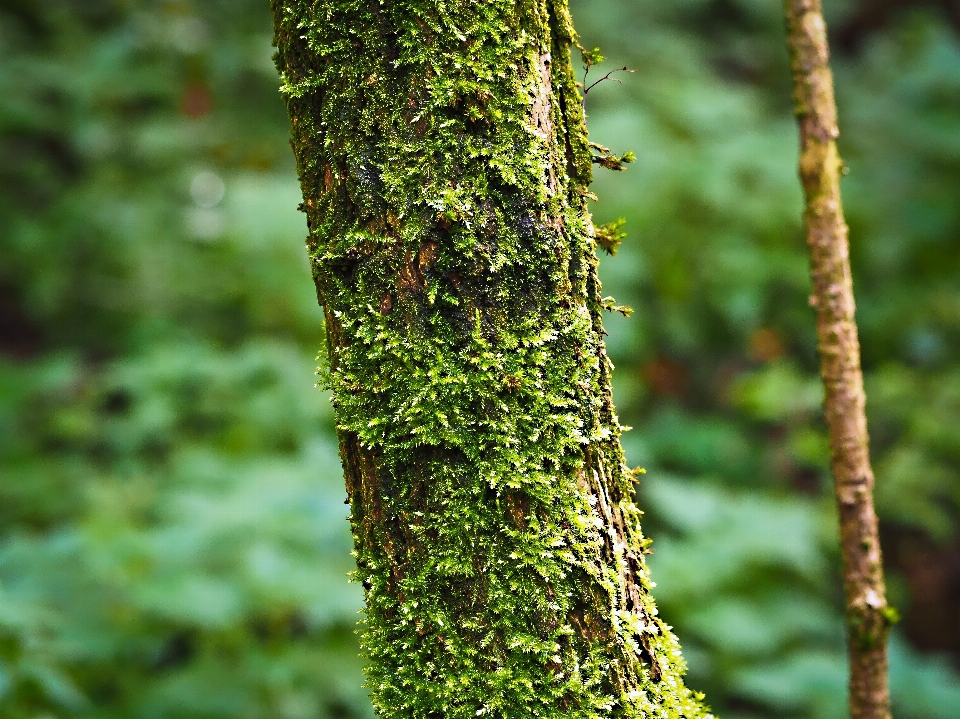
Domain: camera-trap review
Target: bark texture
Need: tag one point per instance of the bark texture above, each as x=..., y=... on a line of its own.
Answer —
x=444, y=165
x=868, y=615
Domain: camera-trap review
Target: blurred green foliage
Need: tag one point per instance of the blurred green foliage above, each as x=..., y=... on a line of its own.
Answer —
x=717, y=370
x=173, y=539
x=172, y=534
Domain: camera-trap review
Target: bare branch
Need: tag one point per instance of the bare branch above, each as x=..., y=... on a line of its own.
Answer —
x=868, y=615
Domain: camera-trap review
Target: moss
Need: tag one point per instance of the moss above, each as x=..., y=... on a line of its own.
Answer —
x=444, y=164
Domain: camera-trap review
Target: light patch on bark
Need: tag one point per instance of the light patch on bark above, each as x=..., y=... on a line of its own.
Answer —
x=542, y=124
x=541, y=115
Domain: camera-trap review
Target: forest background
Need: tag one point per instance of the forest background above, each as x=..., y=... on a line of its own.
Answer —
x=173, y=539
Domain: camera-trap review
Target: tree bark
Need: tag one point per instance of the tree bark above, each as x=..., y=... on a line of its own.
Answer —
x=444, y=164
x=868, y=615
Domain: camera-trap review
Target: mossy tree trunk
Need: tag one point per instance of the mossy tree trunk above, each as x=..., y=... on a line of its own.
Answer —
x=444, y=165
x=868, y=615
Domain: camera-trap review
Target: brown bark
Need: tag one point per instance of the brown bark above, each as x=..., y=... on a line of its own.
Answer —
x=868, y=615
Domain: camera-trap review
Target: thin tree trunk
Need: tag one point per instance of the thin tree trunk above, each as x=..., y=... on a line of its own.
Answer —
x=868, y=615
x=444, y=165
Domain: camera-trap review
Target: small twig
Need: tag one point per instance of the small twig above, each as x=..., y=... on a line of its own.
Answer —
x=591, y=58
x=587, y=89
x=606, y=158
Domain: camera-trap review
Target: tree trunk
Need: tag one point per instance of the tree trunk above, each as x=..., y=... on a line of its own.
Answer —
x=444, y=165
x=868, y=616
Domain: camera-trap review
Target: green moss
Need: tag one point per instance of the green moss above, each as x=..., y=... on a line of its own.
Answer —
x=444, y=164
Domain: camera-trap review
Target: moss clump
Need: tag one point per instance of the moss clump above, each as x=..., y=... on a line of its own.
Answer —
x=444, y=164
